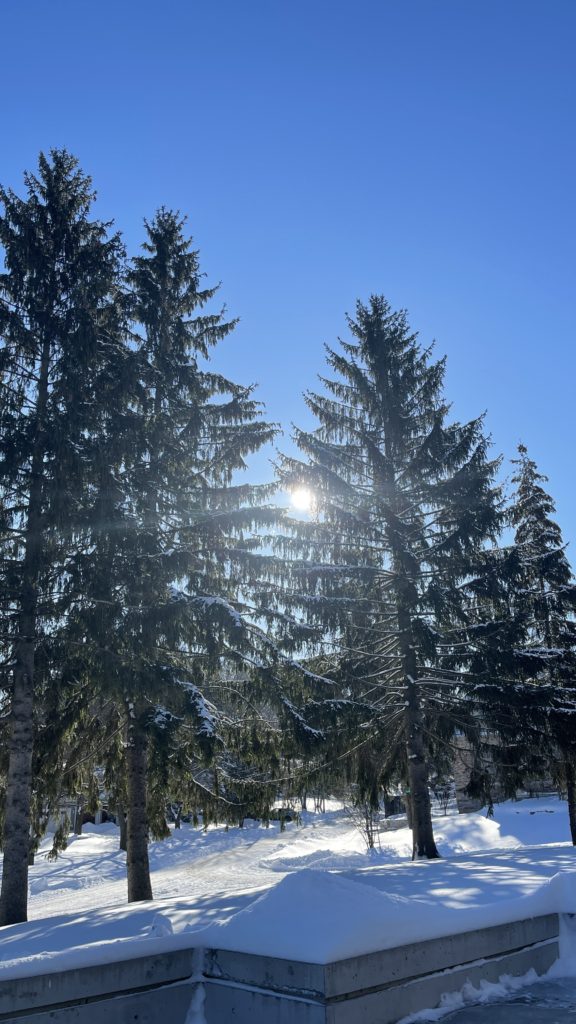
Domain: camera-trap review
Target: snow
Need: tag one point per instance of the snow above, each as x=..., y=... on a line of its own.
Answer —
x=311, y=892
x=330, y=900
x=471, y=995
x=374, y=919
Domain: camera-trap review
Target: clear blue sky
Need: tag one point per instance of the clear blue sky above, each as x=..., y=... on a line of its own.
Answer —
x=327, y=149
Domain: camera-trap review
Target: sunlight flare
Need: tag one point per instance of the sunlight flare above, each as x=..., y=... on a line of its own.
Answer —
x=302, y=499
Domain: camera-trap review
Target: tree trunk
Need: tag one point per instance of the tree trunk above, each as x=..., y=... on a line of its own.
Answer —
x=407, y=800
x=79, y=816
x=16, y=839
x=122, y=822
x=570, y=771
x=16, y=834
x=422, y=831
x=423, y=844
x=138, y=867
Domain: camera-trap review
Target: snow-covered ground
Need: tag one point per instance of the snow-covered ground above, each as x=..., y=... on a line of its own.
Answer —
x=311, y=892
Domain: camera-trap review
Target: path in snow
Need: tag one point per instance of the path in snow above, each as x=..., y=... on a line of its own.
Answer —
x=484, y=859
x=190, y=864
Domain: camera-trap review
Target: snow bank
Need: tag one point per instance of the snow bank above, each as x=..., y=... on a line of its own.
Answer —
x=308, y=916
x=316, y=918
x=320, y=918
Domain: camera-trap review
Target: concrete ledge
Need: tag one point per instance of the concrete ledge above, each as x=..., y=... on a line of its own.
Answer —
x=363, y=973
x=87, y=983
x=422, y=958
x=154, y=1006
x=390, y=1004
x=378, y=988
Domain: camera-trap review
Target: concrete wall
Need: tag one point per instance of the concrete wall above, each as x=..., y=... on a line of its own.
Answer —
x=149, y=990
x=376, y=989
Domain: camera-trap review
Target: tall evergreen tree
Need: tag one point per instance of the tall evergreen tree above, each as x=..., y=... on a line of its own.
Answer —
x=60, y=273
x=176, y=567
x=546, y=597
x=406, y=513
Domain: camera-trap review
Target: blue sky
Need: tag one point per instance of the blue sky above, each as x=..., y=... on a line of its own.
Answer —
x=327, y=149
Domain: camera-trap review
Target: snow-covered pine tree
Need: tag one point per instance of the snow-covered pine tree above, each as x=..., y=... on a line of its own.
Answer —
x=183, y=574
x=60, y=271
x=406, y=509
x=545, y=594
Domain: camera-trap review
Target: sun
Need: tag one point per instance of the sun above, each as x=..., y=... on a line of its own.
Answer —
x=302, y=499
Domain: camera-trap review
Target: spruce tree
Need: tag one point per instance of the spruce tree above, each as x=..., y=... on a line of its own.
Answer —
x=60, y=273
x=406, y=512
x=171, y=537
x=546, y=598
